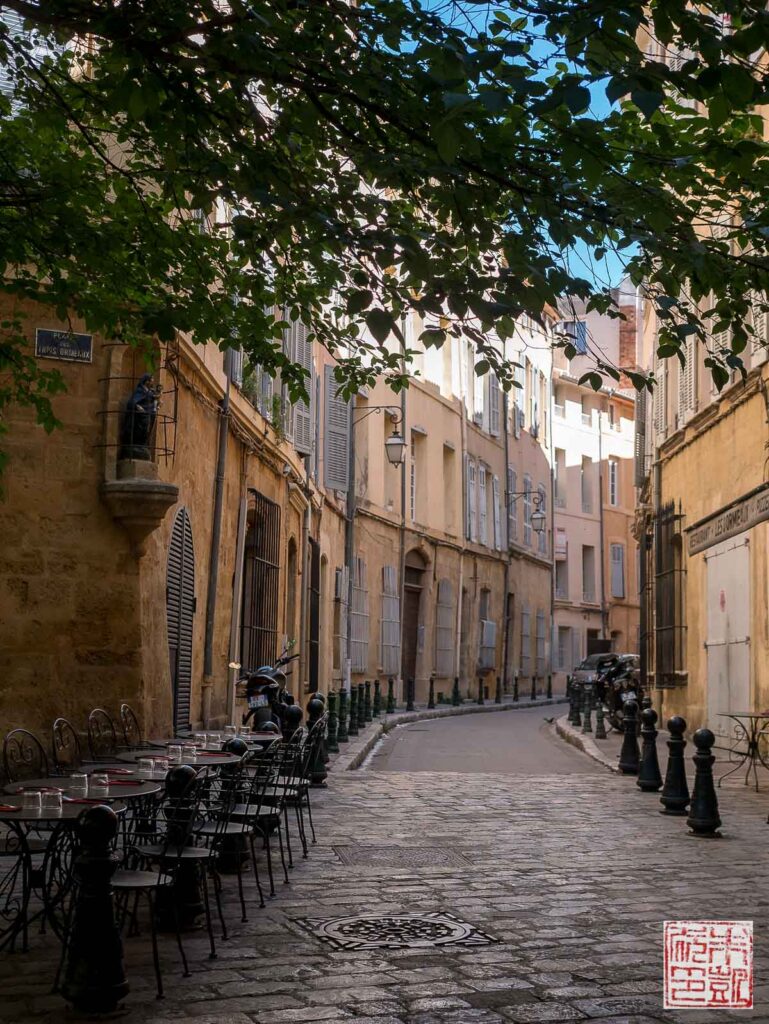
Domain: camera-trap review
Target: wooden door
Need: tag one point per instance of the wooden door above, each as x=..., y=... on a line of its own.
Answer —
x=410, y=633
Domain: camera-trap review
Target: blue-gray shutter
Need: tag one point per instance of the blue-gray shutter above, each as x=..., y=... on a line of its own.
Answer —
x=336, y=436
x=304, y=411
x=14, y=24
x=180, y=612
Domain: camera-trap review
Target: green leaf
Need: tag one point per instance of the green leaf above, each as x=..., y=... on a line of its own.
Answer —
x=446, y=141
x=577, y=98
x=380, y=323
x=359, y=301
x=648, y=101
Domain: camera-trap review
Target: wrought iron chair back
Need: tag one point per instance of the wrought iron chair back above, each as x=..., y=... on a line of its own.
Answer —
x=102, y=736
x=24, y=756
x=65, y=745
x=132, y=733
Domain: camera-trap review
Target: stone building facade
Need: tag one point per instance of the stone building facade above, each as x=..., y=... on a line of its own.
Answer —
x=158, y=581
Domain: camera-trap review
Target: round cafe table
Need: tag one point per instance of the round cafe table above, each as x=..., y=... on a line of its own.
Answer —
x=121, y=788
x=56, y=846
x=201, y=759
x=251, y=738
x=749, y=725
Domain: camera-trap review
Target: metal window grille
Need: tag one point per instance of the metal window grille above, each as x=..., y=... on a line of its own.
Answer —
x=444, y=630
x=512, y=508
x=482, y=509
x=525, y=642
x=341, y=590
x=390, y=654
x=261, y=577
x=527, y=510
x=668, y=597
x=359, y=618
x=541, y=668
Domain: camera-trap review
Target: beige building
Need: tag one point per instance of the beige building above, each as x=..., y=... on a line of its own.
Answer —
x=596, y=567
x=158, y=580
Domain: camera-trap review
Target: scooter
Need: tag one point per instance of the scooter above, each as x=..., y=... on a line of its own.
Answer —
x=266, y=694
x=616, y=686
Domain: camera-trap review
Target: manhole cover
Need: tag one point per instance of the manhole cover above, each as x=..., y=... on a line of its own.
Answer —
x=396, y=931
x=400, y=856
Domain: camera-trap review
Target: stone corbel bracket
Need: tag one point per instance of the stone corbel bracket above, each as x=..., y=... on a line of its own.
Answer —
x=138, y=501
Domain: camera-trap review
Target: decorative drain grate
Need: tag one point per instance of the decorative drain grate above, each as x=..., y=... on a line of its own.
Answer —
x=400, y=856
x=395, y=931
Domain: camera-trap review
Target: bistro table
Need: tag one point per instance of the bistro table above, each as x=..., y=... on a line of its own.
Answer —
x=248, y=737
x=203, y=758
x=749, y=726
x=121, y=788
x=53, y=878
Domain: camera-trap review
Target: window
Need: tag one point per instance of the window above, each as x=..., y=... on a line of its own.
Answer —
x=617, y=570
x=560, y=478
x=496, y=511
x=562, y=580
x=471, y=512
x=341, y=592
x=390, y=653
x=487, y=648
x=512, y=508
x=588, y=573
x=542, y=537
x=577, y=332
x=564, y=649
x=586, y=473
x=482, y=507
x=493, y=404
x=337, y=422
x=300, y=415
x=444, y=630
x=518, y=398
x=413, y=480
x=541, y=666
x=261, y=576
x=525, y=642
x=527, y=510
x=449, y=489
x=359, y=618
x=479, y=386
x=613, y=482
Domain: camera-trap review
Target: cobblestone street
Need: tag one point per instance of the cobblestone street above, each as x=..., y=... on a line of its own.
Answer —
x=563, y=879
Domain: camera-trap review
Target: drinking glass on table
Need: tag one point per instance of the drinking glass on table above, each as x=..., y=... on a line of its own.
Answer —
x=50, y=801
x=145, y=766
x=214, y=738
x=230, y=730
x=189, y=752
x=98, y=785
x=78, y=785
x=31, y=800
x=200, y=739
x=174, y=752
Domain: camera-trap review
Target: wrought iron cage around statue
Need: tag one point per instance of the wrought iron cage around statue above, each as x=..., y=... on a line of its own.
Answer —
x=127, y=367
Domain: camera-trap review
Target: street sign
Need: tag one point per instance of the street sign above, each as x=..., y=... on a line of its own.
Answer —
x=65, y=345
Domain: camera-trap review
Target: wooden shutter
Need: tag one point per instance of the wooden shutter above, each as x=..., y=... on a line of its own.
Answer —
x=687, y=376
x=512, y=508
x=303, y=411
x=479, y=387
x=540, y=643
x=444, y=630
x=641, y=401
x=496, y=510
x=758, y=342
x=659, y=399
x=493, y=404
x=542, y=537
x=180, y=611
x=472, y=527
x=482, y=506
x=390, y=622
x=617, y=570
x=525, y=642
x=359, y=618
x=336, y=440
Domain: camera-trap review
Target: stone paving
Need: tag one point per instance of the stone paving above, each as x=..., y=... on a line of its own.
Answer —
x=569, y=877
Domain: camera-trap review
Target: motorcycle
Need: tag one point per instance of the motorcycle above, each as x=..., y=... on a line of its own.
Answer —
x=266, y=694
x=617, y=685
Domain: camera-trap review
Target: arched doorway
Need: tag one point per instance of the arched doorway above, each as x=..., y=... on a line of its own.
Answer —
x=180, y=612
x=412, y=597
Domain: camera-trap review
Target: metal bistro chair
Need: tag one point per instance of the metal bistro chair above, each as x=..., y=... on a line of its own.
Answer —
x=102, y=735
x=132, y=733
x=24, y=756
x=66, y=746
x=298, y=791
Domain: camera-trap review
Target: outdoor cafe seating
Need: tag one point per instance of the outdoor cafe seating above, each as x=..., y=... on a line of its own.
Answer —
x=194, y=815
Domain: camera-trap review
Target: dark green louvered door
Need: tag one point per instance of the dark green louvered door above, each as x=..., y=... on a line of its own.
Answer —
x=180, y=611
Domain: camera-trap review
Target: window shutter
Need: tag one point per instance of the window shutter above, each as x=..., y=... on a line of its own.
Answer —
x=359, y=618
x=758, y=342
x=479, y=386
x=303, y=412
x=472, y=529
x=336, y=441
x=686, y=379
x=617, y=570
x=180, y=611
x=493, y=405
x=641, y=400
x=497, y=517
x=482, y=506
x=233, y=365
x=542, y=537
x=512, y=509
x=525, y=642
x=660, y=399
x=540, y=643
x=520, y=376
x=527, y=510
x=340, y=596
x=391, y=622
x=444, y=630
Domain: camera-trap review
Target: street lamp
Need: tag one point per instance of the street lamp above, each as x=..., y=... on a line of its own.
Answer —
x=395, y=448
x=538, y=518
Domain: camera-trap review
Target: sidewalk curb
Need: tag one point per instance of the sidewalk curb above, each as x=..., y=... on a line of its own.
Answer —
x=583, y=742
x=352, y=755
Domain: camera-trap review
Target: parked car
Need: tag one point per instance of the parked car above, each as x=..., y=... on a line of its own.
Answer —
x=587, y=670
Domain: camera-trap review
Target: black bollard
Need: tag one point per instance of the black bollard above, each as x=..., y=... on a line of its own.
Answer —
x=480, y=689
x=352, y=729
x=390, y=696
x=185, y=892
x=376, y=709
x=515, y=687
x=498, y=692
x=317, y=767
x=578, y=698
x=629, y=755
x=646, y=702
x=549, y=686
x=361, y=706
x=533, y=687
x=600, y=726
x=455, y=698
x=332, y=742
x=410, y=694
x=94, y=976
x=649, y=776
x=675, y=792
x=703, y=817
x=292, y=719
x=367, y=711
x=342, y=735
x=587, y=708
x=431, y=693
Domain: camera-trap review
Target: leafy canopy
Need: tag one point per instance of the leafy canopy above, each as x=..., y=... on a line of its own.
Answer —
x=356, y=162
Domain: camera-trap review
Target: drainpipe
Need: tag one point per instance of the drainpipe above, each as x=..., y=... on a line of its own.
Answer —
x=463, y=471
x=216, y=536
x=305, y=579
x=402, y=532
x=553, y=635
x=508, y=500
x=602, y=541
x=349, y=544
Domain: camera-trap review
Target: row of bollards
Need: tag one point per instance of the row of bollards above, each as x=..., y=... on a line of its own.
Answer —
x=703, y=818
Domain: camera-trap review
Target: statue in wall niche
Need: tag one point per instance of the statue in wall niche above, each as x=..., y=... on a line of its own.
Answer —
x=137, y=426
